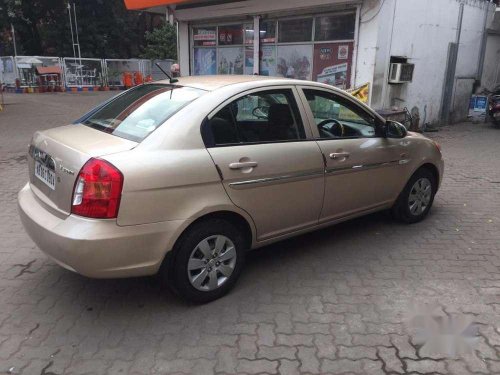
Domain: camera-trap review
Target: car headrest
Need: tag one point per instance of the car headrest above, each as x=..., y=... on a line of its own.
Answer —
x=223, y=130
x=280, y=114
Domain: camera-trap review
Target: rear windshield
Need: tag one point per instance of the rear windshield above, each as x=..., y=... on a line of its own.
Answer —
x=138, y=112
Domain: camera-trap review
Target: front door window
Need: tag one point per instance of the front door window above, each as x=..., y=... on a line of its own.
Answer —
x=336, y=117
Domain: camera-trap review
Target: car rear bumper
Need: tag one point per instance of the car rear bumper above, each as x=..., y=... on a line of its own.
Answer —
x=96, y=248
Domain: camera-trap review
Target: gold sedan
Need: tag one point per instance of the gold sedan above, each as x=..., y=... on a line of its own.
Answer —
x=181, y=178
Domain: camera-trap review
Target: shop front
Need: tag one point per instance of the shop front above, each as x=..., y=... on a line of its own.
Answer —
x=311, y=40
x=317, y=47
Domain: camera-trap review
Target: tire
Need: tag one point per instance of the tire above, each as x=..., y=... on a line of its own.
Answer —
x=404, y=209
x=207, y=280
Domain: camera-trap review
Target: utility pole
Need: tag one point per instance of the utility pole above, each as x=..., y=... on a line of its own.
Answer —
x=16, y=72
x=13, y=38
x=77, y=44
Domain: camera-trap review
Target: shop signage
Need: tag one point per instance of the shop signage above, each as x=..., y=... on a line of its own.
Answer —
x=204, y=35
x=343, y=52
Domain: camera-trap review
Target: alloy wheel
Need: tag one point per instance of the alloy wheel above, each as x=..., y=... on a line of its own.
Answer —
x=420, y=196
x=211, y=263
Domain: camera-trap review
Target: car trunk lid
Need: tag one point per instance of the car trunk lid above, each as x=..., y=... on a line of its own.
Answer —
x=57, y=155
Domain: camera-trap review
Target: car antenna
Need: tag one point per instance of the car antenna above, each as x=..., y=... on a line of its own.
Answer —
x=172, y=80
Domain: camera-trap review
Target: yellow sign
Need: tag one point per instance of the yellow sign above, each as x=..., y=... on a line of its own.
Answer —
x=361, y=93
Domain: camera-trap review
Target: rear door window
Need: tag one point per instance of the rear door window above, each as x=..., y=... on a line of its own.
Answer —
x=261, y=117
x=138, y=112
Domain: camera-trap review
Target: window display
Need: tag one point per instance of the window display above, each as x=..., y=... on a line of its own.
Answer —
x=230, y=60
x=312, y=47
x=295, y=61
x=268, y=61
x=205, y=62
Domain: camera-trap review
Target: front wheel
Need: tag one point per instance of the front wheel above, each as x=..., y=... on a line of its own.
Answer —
x=415, y=201
x=207, y=261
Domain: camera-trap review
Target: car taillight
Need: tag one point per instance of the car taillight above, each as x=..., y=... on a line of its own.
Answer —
x=438, y=146
x=97, y=190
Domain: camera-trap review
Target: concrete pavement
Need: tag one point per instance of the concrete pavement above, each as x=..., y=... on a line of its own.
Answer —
x=335, y=301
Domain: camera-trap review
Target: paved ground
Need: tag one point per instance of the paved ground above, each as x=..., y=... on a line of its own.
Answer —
x=335, y=301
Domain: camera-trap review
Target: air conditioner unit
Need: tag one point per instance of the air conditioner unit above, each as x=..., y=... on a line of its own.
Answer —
x=401, y=73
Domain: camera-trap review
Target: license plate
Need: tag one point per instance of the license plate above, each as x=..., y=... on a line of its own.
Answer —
x=44, y=174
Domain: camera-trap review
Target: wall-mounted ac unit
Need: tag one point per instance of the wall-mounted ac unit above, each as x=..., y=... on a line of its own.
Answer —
x=401, y=73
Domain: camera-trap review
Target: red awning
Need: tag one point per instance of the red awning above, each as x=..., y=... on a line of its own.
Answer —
x=41, y=70
x=143, y=4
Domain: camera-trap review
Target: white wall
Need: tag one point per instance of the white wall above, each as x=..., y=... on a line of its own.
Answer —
x=491, y=68
x=367, y=43
x=422, y=32
x=184, y=48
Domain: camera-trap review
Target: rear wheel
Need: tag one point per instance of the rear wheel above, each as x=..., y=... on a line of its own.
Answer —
x=207, y=261
x=416, y=199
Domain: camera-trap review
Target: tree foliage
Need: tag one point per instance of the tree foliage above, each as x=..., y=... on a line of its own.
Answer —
x=106, y=28
x=161, y=43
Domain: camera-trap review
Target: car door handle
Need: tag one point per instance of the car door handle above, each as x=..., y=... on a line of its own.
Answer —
x=339, y=155
x=242, y=165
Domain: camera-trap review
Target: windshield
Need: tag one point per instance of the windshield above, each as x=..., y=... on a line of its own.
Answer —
x=138, y=112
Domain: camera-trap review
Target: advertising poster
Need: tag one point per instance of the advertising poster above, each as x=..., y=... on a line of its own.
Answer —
x=295, y=61
x=231, y=60
x=268, y=61
x=343, y=52
x=333, y=63
x=205, y=62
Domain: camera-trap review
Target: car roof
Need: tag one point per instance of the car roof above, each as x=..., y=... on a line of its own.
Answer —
x=214, y=82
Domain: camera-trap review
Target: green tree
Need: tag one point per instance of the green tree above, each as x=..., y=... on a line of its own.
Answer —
x=161, y=43
x=106, y=28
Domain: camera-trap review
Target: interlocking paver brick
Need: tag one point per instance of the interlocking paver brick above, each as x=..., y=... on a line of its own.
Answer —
x=334, y=301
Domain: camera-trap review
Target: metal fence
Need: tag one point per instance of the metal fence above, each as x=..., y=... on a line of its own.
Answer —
x=8, y=71
x=156, y=73
x=23, y=69
x=121, y=72
x=82, y=72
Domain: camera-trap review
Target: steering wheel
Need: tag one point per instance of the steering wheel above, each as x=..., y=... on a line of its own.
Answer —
x=337, y=130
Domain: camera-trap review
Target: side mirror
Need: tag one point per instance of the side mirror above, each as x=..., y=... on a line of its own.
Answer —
x=393, y=129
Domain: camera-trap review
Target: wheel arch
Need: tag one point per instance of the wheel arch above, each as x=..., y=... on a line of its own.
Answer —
x=244, y=223
x=241, y=222
x=431, y=168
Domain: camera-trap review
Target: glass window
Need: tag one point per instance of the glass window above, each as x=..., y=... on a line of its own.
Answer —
x=249, y=32
x=336, y=27
x=230, y=35
x=205, y=61
x=267, y=32
x=295, y=61
x=296, y=30
x=138, y=112
x=267, y=116
x=204, y=36
x=337, y=117
x=231, y=60
x=268, y=61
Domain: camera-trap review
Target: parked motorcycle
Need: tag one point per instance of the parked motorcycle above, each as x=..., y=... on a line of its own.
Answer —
x=494, y=109
x=494, y=106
